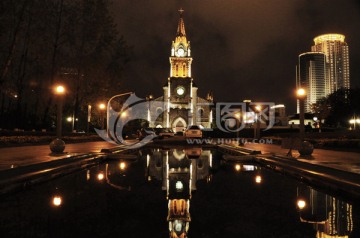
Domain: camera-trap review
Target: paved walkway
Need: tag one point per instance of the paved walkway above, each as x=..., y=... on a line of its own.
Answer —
x=24, y=155
x=347, y=161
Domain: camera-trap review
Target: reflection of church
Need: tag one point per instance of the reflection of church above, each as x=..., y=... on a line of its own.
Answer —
x=179, y=169
x=182, y=106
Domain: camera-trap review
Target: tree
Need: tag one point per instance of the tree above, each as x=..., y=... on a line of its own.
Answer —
x=344, y=104
x=321, y=109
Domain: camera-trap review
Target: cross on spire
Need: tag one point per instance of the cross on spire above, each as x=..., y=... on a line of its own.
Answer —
x=181, y=25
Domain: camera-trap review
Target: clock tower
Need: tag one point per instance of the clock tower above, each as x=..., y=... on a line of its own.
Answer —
x=182, y=106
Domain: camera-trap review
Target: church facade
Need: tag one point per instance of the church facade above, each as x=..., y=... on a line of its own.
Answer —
x=181, y=105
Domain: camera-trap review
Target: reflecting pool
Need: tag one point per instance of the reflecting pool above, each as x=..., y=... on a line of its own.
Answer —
x=177, y=192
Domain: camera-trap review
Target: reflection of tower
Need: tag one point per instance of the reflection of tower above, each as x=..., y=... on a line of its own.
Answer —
x=331, y=217
x=179, y=169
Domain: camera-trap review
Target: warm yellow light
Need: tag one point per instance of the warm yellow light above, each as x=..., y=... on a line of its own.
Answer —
x=238, y=115
x=258, y=179
x=56, y=200
x=60, y=89
x=301, y=204
x=237, y=167
x=353, y=121
x=329, y=37
x=100, y=176
x=122, y=165
x=102, y=106
x=258, y=108
x=69, y=119
x=301, y=92
x=124, y=114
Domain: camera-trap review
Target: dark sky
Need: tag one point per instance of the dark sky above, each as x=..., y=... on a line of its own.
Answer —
x=241, y=49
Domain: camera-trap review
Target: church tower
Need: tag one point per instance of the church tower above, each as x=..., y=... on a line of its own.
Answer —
x=180, y=93
x=182, y=106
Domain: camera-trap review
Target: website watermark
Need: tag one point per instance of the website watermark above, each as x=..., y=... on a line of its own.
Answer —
x=242, y=141
x=228, y=117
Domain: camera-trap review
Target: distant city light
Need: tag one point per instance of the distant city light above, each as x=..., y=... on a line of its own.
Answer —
x=102, y=106
x=69, y=119
x=100, y=176
x=258, y=179
x=237, y=167
x=122, y=165
x=59, y=89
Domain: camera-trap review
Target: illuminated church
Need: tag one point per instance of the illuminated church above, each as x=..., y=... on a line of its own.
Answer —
x=181, y=105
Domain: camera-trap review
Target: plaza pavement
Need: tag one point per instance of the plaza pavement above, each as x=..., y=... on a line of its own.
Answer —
x=342, y=160
x=25, y=155
x=12, y=157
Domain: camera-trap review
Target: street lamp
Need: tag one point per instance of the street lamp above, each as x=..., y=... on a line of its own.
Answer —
x=102, y=108
x=354, y=121
x=257, y=125
x=238, y=117
x=60, y=92
x=149, y=98
x=88, y=119
x=301, y=95
x=108, y=112
x=58, y=145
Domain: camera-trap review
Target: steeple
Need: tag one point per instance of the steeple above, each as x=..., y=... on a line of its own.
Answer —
x=181, y=25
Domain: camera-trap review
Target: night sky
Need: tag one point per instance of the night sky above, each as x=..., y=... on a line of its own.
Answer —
x=241, y=49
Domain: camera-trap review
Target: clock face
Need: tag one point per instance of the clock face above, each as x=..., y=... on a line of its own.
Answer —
x=180, y=52
x=180, y=91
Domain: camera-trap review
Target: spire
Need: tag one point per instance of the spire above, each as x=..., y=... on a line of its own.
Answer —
x=181, y=26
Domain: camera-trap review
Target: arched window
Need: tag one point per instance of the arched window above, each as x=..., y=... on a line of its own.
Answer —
x=184, y=70
x=201, y=112
x=177, y=70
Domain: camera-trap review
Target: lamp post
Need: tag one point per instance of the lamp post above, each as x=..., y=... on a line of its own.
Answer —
x=301, y=95
x=354, y=121
x=88, y=119
x=238, y=117
x=60, y=92
x=108, y=112
x=58, y=145
x=257, y=125
x=149, y=98
x=102, y=108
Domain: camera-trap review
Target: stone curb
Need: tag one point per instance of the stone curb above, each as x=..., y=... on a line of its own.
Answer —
x=12, y=180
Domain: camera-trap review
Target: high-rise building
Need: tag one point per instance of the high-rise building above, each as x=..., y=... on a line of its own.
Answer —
x=311, y=76
x=337, y=59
